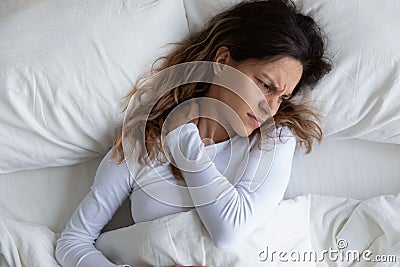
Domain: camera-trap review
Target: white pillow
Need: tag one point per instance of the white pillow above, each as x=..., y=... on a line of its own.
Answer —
x=182, y=239
x=65, y=65
x=360, y=98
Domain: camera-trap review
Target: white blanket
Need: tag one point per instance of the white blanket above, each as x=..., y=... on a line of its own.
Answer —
x=306, y=225
x=370, y=227
x=26, y=244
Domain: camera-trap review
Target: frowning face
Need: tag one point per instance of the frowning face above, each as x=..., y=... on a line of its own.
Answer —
x=255, y=102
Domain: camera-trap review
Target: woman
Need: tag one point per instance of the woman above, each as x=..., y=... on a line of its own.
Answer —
x=280, y=52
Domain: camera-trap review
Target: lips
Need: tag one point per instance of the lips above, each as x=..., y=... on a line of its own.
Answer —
x=255, y=121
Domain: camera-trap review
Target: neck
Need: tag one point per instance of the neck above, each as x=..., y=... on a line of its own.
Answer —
x=211, y=124
x=210, y=129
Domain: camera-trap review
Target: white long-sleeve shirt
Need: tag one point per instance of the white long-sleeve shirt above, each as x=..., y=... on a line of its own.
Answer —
x=232, y=185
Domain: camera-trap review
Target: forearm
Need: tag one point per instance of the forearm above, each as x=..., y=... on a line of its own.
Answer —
x=111, y=186
x=238, y=208
x=233, y=216
x=75, y=247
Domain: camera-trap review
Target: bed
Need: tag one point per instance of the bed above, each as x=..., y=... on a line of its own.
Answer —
x=64, y=66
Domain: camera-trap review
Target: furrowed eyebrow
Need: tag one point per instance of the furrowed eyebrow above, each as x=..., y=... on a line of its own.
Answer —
x=273, y=85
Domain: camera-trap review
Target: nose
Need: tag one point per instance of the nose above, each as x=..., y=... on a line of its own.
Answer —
x=274, y=107
x=270, y=104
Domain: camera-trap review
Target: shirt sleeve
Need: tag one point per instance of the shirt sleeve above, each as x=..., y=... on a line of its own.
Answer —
x=111, y=186
x=237, y=208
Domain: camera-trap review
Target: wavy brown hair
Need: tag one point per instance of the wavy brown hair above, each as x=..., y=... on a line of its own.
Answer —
x=251, y=30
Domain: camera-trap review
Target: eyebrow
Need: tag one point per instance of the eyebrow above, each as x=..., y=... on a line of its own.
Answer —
x=273, y=84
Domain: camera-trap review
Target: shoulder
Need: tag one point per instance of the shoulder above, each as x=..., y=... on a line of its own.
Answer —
x=284, y=134
x=281, y=139
x=281, y=134
x=109, y=171
x=108, y=163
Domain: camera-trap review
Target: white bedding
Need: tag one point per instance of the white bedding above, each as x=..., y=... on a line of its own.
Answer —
x=352, y=168
x=55, y=54
x=65, y=65
x=360, y=98
x=307, y=223
x=345, y=168
x=26, y=244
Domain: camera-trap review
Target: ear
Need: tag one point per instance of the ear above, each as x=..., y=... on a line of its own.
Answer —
x=222, y=56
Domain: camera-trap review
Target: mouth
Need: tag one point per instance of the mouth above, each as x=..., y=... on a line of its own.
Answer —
x=254, y=120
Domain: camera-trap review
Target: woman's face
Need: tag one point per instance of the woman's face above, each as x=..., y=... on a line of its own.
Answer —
x=254, y=102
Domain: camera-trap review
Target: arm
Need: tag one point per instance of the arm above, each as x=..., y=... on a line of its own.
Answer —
x=110, y=188
x=236, y=213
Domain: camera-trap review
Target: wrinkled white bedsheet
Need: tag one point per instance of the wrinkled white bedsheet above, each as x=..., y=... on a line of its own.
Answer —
x=310, y=223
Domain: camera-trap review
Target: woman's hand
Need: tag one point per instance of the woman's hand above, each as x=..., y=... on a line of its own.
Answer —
x=185, y=112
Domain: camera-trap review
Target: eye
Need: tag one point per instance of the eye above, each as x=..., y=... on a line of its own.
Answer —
x=263, y=84
x=282, y=98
